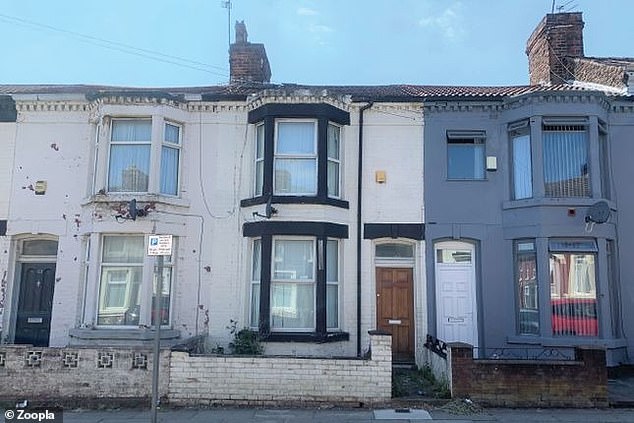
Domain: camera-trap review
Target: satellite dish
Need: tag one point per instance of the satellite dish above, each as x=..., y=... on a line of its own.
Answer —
x=599, y=212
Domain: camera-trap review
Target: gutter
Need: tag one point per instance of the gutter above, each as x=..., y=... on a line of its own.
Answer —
x=359, y=198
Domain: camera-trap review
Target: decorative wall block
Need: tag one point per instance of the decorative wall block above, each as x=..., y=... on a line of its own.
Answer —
x=139, y=361
x=70, y=359
x=34, y=358
x=105, y=360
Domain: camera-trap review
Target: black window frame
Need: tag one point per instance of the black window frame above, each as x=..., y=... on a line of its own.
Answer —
x=322, y=232
x=324, y=114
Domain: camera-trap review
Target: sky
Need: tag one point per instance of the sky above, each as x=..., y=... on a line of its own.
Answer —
x=174, y=43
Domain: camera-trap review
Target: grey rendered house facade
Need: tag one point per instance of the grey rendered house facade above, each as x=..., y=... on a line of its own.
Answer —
x=312, y=214
x=528, y=214
x=514, y=259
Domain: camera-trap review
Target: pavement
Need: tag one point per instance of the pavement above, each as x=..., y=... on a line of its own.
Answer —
x=620, y=388
x=268, y=415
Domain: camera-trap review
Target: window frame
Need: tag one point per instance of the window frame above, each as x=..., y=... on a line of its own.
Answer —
x=155, y=145
x=129, y=267
x=297, y=156
x=179, y=148
x=337, y=161
x=566, y=125
x=312, y=281
x=322, y=113
x=517, y=254
x=574, y=247
x=146, y=286
x=111, y=143
x=517, y=131
x=466, y=138
x=321, y=233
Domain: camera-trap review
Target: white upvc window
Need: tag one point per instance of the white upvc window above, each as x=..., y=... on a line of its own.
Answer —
x=170, y=158
x=131, y=166
x=259, y=158
x=293, y=284
x=334, y=161
x=332, y=284
x=129, y=163
x=295, y=161
x=122, y=297
x=256, y=270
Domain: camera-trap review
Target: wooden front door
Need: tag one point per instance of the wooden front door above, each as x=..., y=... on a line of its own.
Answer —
x=33, y=323
x=395, y=309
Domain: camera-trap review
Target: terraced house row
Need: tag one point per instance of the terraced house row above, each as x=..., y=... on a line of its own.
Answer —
x=496, y=216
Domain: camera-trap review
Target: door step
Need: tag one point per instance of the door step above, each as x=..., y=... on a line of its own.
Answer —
x=404, y=365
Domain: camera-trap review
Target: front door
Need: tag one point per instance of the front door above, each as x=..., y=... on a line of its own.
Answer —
x=455, y=293
x=33, y=323
x=395, y=309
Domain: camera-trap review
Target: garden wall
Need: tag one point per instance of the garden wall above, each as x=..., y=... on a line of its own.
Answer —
x=211, y=380
x=79, y=376
x=529, y=383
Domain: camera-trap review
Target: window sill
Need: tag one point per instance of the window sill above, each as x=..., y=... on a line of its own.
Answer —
x=554, y=202
x=140, y=198
x=295, y=199
x=319, y=338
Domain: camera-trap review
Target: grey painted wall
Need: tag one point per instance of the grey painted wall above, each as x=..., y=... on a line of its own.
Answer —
x=483, y=212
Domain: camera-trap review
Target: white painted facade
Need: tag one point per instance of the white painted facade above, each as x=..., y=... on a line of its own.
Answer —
x=64, y=140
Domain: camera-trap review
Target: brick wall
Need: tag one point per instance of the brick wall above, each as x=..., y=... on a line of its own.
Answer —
x=248, y=63
x=529, y=383
x=209, y=380
x=556, y=37
x=599, y=73
x=79, y=376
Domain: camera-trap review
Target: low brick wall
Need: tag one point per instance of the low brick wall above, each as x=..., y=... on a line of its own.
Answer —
x=79, y=376
x=529, y=383
x=211, y=380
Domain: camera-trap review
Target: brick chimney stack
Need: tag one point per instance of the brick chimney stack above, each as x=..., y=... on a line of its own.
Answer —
x=247, y=61
x=558, y=36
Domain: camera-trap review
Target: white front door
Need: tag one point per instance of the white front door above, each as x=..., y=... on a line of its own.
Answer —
x=456, y=311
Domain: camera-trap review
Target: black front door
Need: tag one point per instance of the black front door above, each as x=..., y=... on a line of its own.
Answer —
x=33, y=324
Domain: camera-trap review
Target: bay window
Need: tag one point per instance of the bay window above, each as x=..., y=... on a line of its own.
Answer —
x=295, y=280
x=298, y=154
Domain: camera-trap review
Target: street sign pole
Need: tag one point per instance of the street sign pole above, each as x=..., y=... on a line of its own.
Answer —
x=159, y=246
x=158, y=299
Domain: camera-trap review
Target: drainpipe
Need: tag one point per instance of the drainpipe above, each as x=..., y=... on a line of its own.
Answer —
x=359, y=197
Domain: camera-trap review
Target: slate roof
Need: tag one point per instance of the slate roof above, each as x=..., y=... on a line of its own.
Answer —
x=239, y=92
